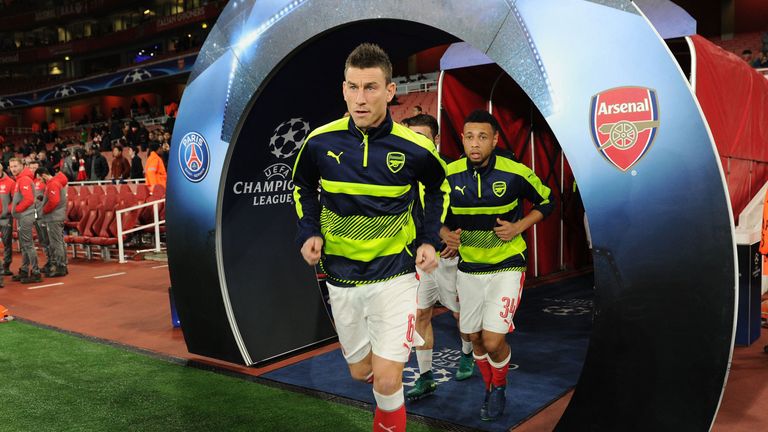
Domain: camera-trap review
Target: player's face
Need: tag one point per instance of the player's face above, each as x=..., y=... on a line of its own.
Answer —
x=15, y=168
x=423, y=130
x=367, y=94
x=479, y=141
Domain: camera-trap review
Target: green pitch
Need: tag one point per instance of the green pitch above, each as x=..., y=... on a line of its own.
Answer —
x=52, y=381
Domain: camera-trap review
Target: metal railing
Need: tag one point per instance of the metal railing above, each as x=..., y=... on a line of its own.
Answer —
x=156, y=223
x=13, y=130
x=418, y=86
x=106, y=182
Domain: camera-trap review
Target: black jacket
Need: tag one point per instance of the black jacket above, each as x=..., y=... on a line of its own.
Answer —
x=99, y=166
x=137, y=169
x=364, y=212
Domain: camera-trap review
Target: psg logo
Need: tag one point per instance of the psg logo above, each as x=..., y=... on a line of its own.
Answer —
x=193, y=156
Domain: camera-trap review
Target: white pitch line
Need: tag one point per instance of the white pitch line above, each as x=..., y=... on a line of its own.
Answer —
x=46, y=286
x=161, y=266
x=109, y=275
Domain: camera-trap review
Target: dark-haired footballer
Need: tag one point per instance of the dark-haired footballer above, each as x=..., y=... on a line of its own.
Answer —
x=361, y=230
x=486, y=215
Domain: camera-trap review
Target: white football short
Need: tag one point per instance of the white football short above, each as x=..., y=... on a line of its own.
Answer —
x=439, y=285
x=379, y=316
x=489, y=301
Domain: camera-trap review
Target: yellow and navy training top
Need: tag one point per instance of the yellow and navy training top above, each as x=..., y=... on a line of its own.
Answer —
x=479, y=195
x=368, y=184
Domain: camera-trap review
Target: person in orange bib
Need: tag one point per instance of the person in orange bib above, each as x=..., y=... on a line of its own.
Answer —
x=155, y=169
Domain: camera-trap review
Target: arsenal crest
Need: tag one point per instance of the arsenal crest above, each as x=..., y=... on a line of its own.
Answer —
x=623, y=124
x=499, y=188
x=395, y=161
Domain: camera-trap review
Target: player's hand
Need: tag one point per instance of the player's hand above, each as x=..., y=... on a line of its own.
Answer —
x=506, y=230
x=312, y=249
x=452, y=239
x=448, y=252
x=426, y=258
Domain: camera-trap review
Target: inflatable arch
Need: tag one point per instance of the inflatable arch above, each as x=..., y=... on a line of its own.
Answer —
x=614, y=97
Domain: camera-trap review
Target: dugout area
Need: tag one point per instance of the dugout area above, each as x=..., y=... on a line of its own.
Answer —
x=237, y=274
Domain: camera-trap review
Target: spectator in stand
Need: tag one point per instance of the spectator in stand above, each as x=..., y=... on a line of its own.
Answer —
x=127, y=134
x=746, y=55
x=82, y=165
x=98, y=164
x=115, y=128
x=761, y=61
x=155, y=168
x=99, y=141
x=54, y=208
x=52, y=131
x=137, y=169
x=8, y=153
x=144, y=106
x=46, y=160
x=6, y=221
x=416, y=110
x=151, y=137
x=121, y=168
x=44, y=135
x=23, y=210
x=39, y=144
x=69, y=165
x=55, y=157
x=164, y=152
x=132, y=134
x=142, y=136
x=35, y=128
x=764, y=39
x=170, y=121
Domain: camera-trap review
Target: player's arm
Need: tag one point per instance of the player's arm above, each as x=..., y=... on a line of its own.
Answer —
x=53, y=192
x=539, y=195
x=436, y=199
x=27, y=189
x=436, y=195
x=306, y=178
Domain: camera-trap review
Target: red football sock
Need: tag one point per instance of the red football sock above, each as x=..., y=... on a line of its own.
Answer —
x=485, y=369
x=499, y=371
x=389, y=421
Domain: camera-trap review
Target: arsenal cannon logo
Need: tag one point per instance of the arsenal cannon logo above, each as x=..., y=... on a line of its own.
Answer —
x=623, y=123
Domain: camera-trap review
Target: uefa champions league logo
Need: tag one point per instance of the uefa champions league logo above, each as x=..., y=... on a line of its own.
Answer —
x=568, y=307
x=288, y=137
x=410, y=375
x=194, y=156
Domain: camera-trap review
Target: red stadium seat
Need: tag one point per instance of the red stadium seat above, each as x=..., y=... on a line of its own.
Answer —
x=97, y=190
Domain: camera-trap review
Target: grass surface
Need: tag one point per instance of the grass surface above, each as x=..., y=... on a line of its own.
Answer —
x=50, y=381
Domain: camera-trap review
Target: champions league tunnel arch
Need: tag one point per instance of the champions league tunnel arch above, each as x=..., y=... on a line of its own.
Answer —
x=604, y=83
